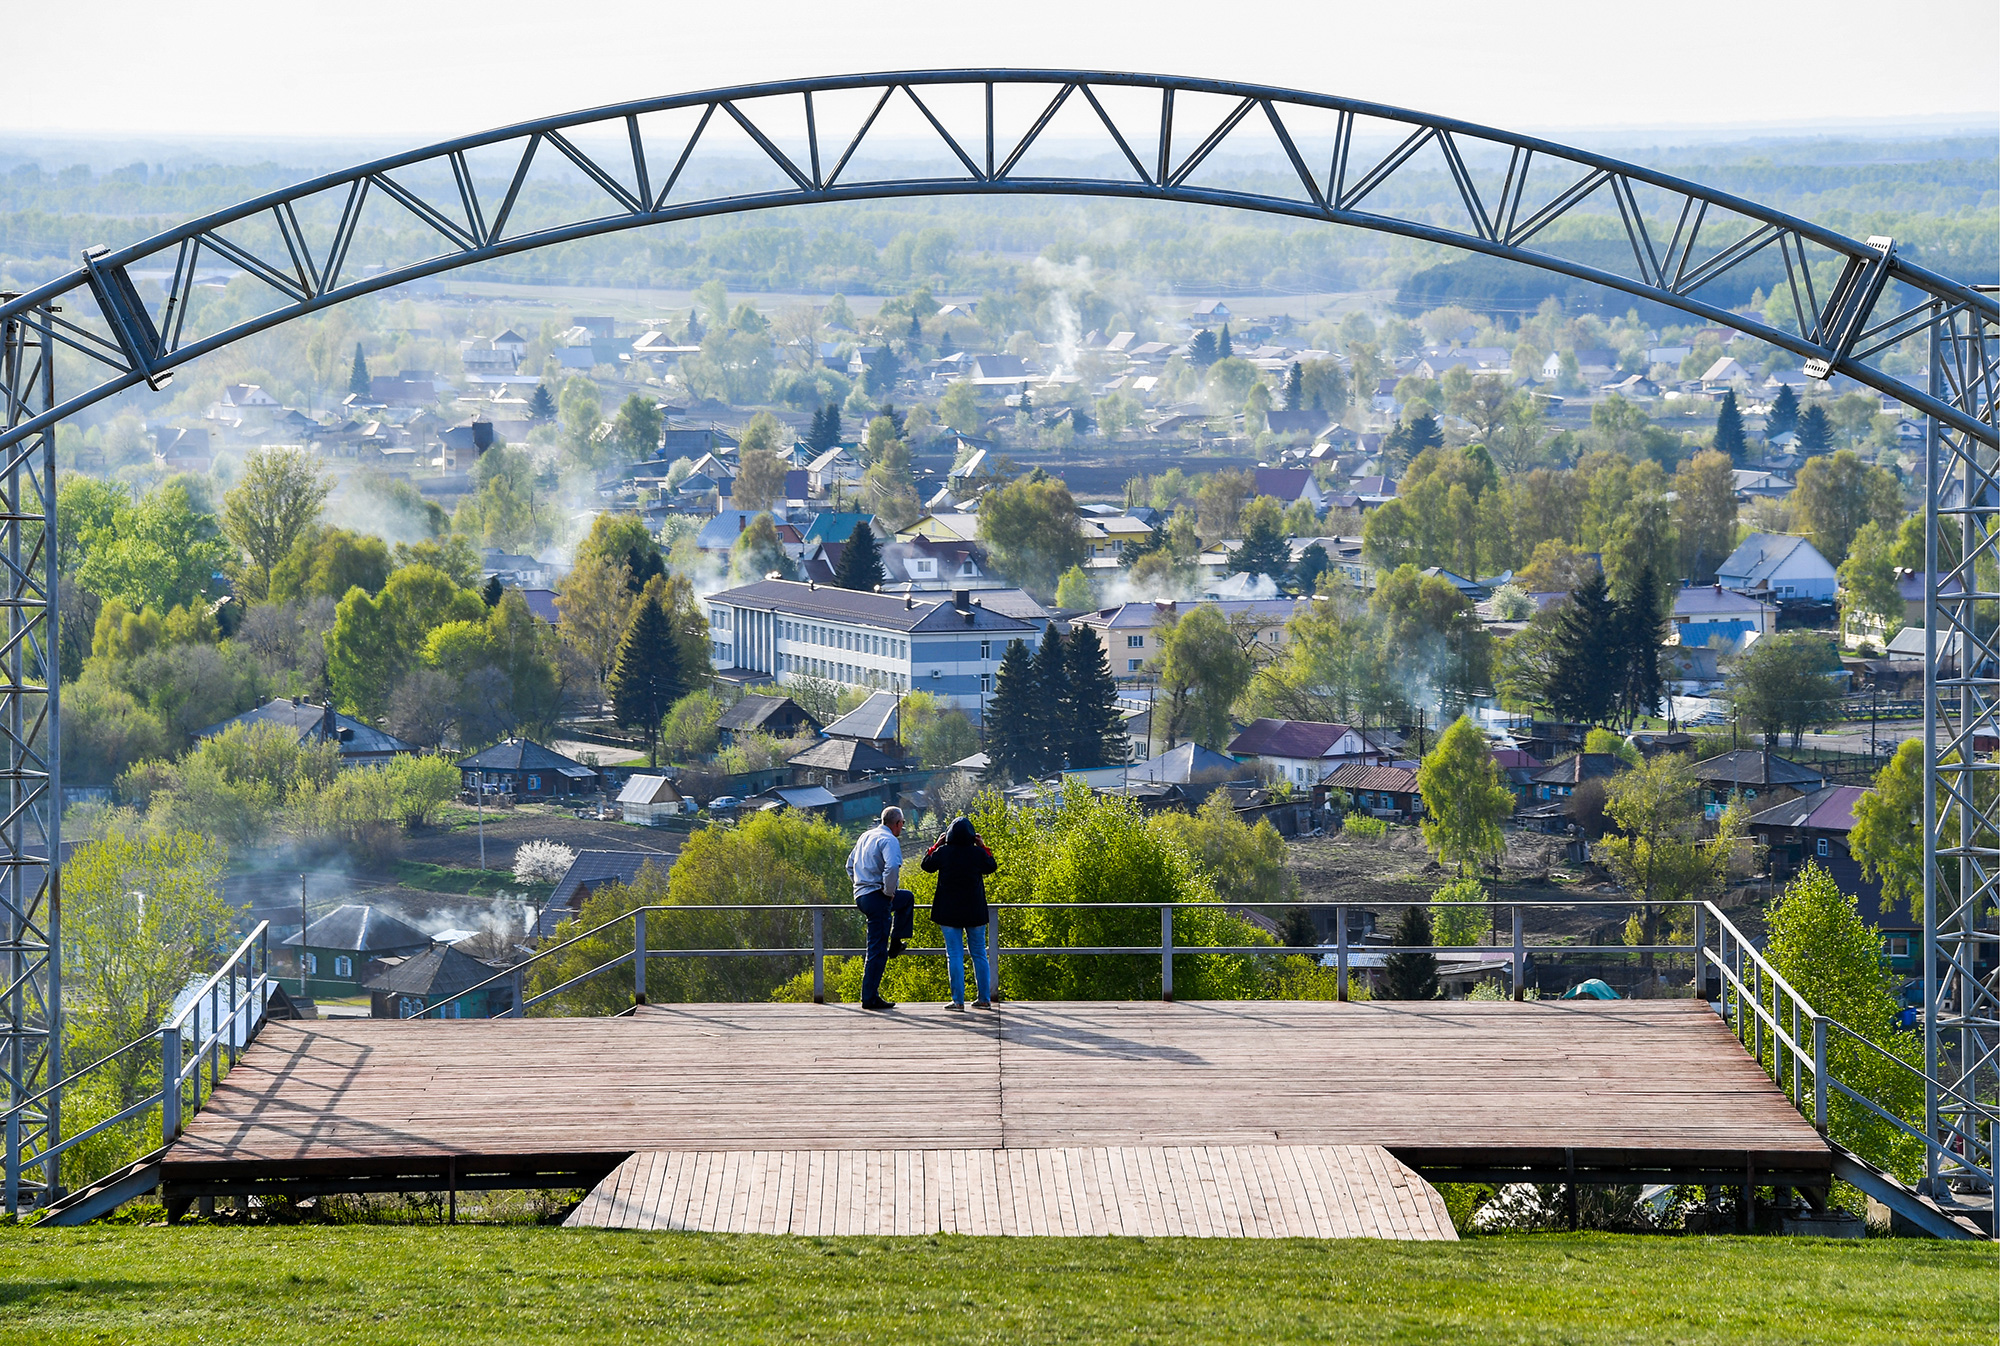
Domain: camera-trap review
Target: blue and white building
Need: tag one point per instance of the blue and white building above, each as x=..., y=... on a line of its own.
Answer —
x=1705, y=612
x=1779, y=566
x=949, y=645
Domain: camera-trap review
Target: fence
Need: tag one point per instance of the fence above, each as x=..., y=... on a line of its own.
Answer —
x=1517, y=951
x=195, y=1046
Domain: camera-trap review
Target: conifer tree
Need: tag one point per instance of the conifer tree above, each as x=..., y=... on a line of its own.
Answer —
x=1582, y=685
x=492, y=592
x=1815, y=432
x=1411, y=973
x=1201, y=349
x=358, y=381
x=861, y=561
x=1013, y=743
x=1640, y=632
x=1729, y=429
x=1224, y=348
x=1313, y=562
x=541, y=406
x=1295, y=388
x=1784, y=414
x=642, y=563
x=1264, y=551
x=1097, y=730
x=646, y=674
x=1055, y=711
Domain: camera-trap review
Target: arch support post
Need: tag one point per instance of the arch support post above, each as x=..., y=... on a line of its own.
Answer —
x=1961, y=817
x=30, y=844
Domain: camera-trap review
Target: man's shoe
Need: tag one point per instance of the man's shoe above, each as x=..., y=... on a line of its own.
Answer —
x=958, y=1005
x=896, y=948
x=980, y=1004
x=878, y=1004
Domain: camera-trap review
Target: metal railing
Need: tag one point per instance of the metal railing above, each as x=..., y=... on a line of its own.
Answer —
x=1338, y=954
x=1790, y=1041
x=204, y=1037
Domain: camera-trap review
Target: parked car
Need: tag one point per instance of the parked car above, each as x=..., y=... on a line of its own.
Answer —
x=721, y=802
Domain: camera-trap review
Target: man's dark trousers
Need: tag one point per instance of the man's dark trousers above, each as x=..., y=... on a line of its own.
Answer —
x=887, y=919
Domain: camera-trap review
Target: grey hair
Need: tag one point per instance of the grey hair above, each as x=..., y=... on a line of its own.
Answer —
x=892, y=814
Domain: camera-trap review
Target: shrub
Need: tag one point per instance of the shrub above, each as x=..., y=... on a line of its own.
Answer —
x=1364, y=828
x=1460, y=925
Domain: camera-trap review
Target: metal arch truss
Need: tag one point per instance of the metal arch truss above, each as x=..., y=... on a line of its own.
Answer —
x=1962, y=765
x=30, y=793
x=1166, y=138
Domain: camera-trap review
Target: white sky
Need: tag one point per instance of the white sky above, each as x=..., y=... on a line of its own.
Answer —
x=419, y=70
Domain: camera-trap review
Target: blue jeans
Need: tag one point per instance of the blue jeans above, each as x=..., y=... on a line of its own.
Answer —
x=955, y=941
x=883, y=913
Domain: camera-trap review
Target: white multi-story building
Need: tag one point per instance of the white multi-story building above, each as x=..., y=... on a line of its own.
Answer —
x=949, y=644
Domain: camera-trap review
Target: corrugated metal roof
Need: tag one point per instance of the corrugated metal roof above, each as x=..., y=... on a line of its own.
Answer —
x=362, y=929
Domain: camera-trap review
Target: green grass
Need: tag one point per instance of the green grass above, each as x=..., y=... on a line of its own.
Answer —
x=471, y=882
x=521, y=1284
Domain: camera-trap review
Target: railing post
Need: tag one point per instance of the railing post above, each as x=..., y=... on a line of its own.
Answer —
x=519, y=1009
x=1520, y=958
x=1340, y=946
x=993, y=949
x=1166, y=953
x=1819, y=1073
x=819, y=955
x=1700, y=946
x=170, y=1084
x=639, y=956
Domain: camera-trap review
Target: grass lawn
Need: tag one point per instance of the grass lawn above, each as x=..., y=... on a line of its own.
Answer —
x=523, y=1284
x=471, y=882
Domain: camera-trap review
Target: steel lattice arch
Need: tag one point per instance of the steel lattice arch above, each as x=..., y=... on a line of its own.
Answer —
x=1165, y=138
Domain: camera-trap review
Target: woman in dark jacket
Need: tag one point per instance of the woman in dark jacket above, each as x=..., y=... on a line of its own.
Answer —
x=961, y=862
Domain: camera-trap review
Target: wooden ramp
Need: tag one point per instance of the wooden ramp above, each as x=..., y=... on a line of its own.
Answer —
x=1633, y=1088
x=1237, y=1191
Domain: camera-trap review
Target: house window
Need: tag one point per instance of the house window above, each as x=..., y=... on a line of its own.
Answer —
x=343, y=966
x=985, y=682
x=1899, y=946
x=409, y=1007
x=312, y=964
x=534, y=782
x=1822, y=846
x=1134, y=665
x=985, y=649
x=1135, y=642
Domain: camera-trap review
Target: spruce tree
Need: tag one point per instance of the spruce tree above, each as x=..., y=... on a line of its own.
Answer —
x=861, y=561
x=1584, y=685
x=1815, y=432
x=642, y=563
x=541, y=406
x=1729, y=429
x=1295, y=388
x=646, y=674
x=1264, y=551
x=1055, y=718
x=1784, y=414
x=1638, y=660
x=1013, y=747
x=1411, y=973
x=1224, y=348
x=358, y=381
x=1097, y=730
x=1201, y=349
x=492, y=592
x=1313, y=562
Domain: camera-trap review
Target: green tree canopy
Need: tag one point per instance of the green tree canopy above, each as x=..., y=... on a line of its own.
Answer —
x=1032, y=527
x=1464, y=799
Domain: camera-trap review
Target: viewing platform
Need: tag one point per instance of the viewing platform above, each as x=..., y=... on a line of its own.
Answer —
x=1646, y=1090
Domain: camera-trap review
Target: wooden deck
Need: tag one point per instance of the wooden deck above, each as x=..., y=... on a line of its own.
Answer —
x=1241, y=1191
x=1625, y=1086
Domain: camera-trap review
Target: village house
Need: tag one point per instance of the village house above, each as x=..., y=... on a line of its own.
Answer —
x=438, y=979
x=778, y=716
x=1388, y=792
x=527, y=770
x=1704, y=613
x=1756, y=775
x=360, y=744
x=1779, y=567
x=1304, y=751
x=336, y=949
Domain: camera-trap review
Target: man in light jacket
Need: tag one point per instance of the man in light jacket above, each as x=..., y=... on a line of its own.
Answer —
x=876, y=865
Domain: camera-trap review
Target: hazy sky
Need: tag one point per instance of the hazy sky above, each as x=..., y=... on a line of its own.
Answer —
x=420, y=69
